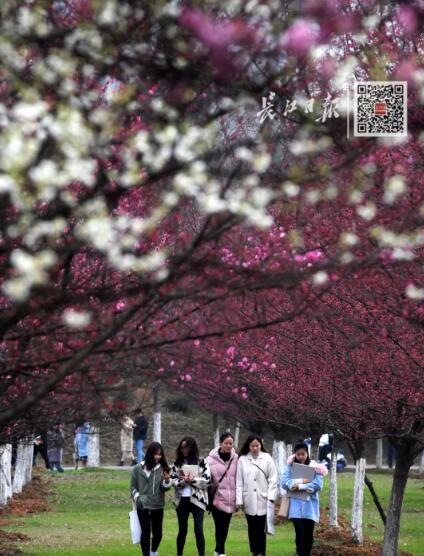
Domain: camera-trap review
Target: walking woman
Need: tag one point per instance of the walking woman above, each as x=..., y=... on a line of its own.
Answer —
x=149, y=481
x=223, y=465
x=256, y=485
x=190, y=477
x=303, y=513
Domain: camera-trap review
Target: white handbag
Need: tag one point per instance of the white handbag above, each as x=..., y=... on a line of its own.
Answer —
x=135, y=526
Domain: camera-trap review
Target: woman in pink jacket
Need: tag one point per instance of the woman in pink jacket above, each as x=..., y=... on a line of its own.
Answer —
x=223, y=465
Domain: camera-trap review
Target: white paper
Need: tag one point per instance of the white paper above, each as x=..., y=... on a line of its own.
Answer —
x=191, y=470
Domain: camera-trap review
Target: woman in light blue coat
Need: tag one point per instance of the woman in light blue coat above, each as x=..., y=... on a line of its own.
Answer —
x=303, y=513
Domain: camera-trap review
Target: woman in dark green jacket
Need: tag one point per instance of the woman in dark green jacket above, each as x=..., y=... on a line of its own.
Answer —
x=149, y=481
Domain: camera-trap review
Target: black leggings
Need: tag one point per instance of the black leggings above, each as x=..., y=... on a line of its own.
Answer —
x=256, y=532
x=304, y=535
x=185, y=508
x=222, y=524
x=151, y=524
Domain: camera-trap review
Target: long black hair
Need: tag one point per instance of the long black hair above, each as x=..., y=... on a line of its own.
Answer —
x=245, y=448
x=193, y=454
x=302, y=446
x=149, y=459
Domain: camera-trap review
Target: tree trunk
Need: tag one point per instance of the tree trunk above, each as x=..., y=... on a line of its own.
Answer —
x=29, y=456
x=379, y=454
x=237, y=435
x=93, y=459
x=157, y=414
x=422, y=463
x=400, y=478
x=215, y=430
x=279, y=455
x=5, y=473
x=19, y=477
x=358, y=500
x=333, y=521
x=289, y=450
x=315, y=445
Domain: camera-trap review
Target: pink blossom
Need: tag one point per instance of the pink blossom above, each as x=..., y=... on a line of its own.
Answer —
x=406, y=71
x=231, y=351
x=188, y=377
x=407, y=18
x=299, y=38
x=217, y=36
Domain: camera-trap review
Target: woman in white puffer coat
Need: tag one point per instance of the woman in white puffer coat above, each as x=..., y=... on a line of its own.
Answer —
x=256, y=485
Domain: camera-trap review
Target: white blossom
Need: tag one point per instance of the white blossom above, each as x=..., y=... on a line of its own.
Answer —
x=30, y=111
x=291, y=189
x=400, y=254
x=31, y=270
x=413, y=292
x=76, y=319
x=367, y=211
x=349, y=238
x=108, y=13
x=319, y=278
x=261, y=161
x=394, y=187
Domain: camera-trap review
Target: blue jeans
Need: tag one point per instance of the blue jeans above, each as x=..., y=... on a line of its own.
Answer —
x=139, y=445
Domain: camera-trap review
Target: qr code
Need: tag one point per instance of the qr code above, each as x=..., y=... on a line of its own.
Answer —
x=380, y=109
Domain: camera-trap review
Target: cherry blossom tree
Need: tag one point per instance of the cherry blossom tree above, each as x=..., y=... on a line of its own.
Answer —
x=165, y=179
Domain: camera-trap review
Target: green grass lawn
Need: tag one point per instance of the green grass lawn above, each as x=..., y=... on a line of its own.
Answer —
x=90, y=517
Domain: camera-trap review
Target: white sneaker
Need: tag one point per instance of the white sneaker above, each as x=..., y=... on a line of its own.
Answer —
x=153, y=553
x=215, y=553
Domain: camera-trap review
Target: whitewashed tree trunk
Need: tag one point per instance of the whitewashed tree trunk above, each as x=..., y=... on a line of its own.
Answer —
x=333, y=521
x=422, y=462
x=237, y=435
x=215, y=430
x=379, y=454
x=5, y=473
x=157, y=414
x=289, y=450
x=358, y=501
x=93, y=459
x=279, y=455
x=29, y=456
x=20, y=468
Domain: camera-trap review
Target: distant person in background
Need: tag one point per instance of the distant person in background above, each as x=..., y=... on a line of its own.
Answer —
x=256, y=485
x=127, y=443
x=81, y=445
x=391, y=455
x=40, y=447
x=140, y=433
x=325, y=447
x=55, y=442
x=149, y=481
x=223, y=465
x=191, y=494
